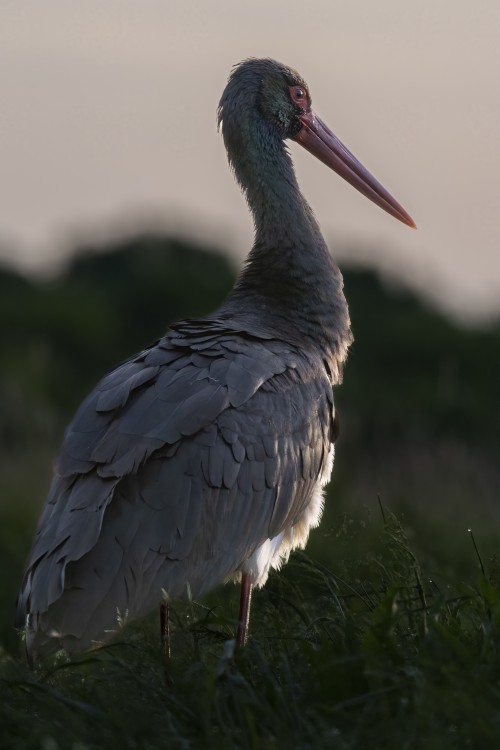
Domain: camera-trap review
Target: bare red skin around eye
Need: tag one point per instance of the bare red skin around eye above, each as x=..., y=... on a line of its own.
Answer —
x=300, y=101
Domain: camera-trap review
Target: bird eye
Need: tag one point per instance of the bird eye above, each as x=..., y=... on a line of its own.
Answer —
x=299, y=95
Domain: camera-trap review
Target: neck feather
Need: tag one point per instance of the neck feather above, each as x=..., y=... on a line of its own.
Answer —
x=289, y=276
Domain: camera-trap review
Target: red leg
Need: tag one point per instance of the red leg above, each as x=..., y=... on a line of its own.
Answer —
x=244, y=616
x=165, y=628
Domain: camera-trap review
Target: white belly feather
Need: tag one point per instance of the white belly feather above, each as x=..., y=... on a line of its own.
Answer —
x=273, y=553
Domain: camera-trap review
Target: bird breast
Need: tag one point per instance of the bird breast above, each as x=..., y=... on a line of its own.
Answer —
x=274, y=553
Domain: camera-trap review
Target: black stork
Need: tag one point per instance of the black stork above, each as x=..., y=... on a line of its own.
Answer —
x=203, y=458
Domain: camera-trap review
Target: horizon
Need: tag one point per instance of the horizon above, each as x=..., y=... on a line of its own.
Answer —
x=391, y=282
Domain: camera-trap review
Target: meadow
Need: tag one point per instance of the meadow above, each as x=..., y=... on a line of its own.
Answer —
x=384, y=633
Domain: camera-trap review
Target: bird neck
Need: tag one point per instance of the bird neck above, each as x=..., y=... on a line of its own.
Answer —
x=264, y=169
x=289, y=278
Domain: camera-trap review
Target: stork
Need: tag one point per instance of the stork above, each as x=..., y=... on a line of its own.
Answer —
x=203, y=458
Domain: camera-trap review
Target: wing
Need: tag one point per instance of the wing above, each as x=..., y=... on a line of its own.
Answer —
x=174, y=470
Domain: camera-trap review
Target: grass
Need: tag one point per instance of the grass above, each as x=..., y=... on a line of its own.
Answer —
x=378, y=653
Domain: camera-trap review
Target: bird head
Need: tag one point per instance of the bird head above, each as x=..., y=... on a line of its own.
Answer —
x=278, y=97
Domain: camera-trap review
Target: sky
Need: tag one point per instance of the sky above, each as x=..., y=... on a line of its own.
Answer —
x=108, y=126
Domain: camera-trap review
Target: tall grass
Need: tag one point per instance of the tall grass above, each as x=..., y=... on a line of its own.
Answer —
x=377, y=653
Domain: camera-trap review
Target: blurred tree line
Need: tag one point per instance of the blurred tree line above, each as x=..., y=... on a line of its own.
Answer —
x=420, y=423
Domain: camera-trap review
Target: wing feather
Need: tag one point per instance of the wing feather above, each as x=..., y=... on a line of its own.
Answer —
x=179, y=465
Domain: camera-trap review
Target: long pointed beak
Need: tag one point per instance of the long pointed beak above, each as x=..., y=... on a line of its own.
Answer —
x=319, y=140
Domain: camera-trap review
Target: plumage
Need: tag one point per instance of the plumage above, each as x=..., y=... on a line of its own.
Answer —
x=203, y=458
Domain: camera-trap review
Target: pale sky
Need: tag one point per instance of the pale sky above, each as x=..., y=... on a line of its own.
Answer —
x=107, y=124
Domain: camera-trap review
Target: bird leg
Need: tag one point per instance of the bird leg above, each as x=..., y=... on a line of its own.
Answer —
x=244, y=616
x=165, y=628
